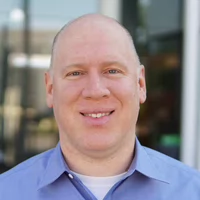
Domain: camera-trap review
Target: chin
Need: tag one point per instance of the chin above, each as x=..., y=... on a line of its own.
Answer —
x=99, y=145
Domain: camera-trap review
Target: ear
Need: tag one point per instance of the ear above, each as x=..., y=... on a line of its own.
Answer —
x=49, y=89
x=142, y=84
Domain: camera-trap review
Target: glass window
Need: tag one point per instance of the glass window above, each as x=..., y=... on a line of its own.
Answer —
x=27, y=29
x=156, y=28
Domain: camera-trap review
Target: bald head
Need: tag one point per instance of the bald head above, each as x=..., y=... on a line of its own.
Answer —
x=93, y=24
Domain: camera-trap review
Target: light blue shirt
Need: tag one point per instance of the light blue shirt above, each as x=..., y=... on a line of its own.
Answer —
x=151, y=176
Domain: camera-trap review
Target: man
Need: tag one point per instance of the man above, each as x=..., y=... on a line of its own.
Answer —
x=95, y=86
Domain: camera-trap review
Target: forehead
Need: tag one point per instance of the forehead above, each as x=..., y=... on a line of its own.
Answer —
x=93, y=40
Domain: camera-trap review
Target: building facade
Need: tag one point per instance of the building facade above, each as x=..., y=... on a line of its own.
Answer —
x=166, y=36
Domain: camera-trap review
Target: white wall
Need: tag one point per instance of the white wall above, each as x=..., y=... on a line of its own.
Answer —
x=111, y=8
x=190, y=121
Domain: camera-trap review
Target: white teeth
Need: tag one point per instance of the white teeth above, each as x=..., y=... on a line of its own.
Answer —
x=97, y=115
x=94, y=115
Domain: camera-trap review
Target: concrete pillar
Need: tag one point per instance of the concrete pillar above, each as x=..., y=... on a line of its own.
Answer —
x=111, y=8
x=190, y=101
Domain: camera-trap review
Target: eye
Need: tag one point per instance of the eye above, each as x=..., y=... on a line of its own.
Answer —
x=113, y=71
x=75, y=73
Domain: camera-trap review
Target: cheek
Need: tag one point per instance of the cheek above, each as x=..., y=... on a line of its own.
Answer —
x=128, y=95
x=126, y=90
x=67, y=92
x=65, y=98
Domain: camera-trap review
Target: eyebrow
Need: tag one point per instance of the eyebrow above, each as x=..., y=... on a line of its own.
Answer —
x=104, y=64
x=64, y=68
x=116, y=63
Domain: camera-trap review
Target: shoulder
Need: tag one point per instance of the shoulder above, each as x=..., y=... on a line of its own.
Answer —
x=29, y=170
x=175, y=171
x=169, y=161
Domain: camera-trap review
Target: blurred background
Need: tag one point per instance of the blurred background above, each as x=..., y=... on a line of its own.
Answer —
x=167, y=38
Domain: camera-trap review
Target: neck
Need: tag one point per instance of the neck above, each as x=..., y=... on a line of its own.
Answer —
x=112, y=164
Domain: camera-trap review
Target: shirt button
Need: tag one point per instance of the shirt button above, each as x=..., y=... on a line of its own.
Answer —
x=70, y=176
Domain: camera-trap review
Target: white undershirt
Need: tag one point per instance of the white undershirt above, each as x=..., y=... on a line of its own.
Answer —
x=99, y=186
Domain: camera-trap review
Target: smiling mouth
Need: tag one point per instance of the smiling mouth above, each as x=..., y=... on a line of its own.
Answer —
x=97, y=115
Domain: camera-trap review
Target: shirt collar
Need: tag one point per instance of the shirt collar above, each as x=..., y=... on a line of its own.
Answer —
x=55, y=167
x=144, y=164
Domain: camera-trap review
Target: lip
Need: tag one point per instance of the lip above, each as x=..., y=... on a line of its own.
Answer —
x=96, y=111
x=97, y=121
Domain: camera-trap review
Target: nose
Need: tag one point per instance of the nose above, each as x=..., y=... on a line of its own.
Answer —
x=95, y=87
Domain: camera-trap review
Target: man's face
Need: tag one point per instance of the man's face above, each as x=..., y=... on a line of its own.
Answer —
x=95, y=91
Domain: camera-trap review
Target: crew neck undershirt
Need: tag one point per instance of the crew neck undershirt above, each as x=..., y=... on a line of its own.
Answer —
x=99, y=186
